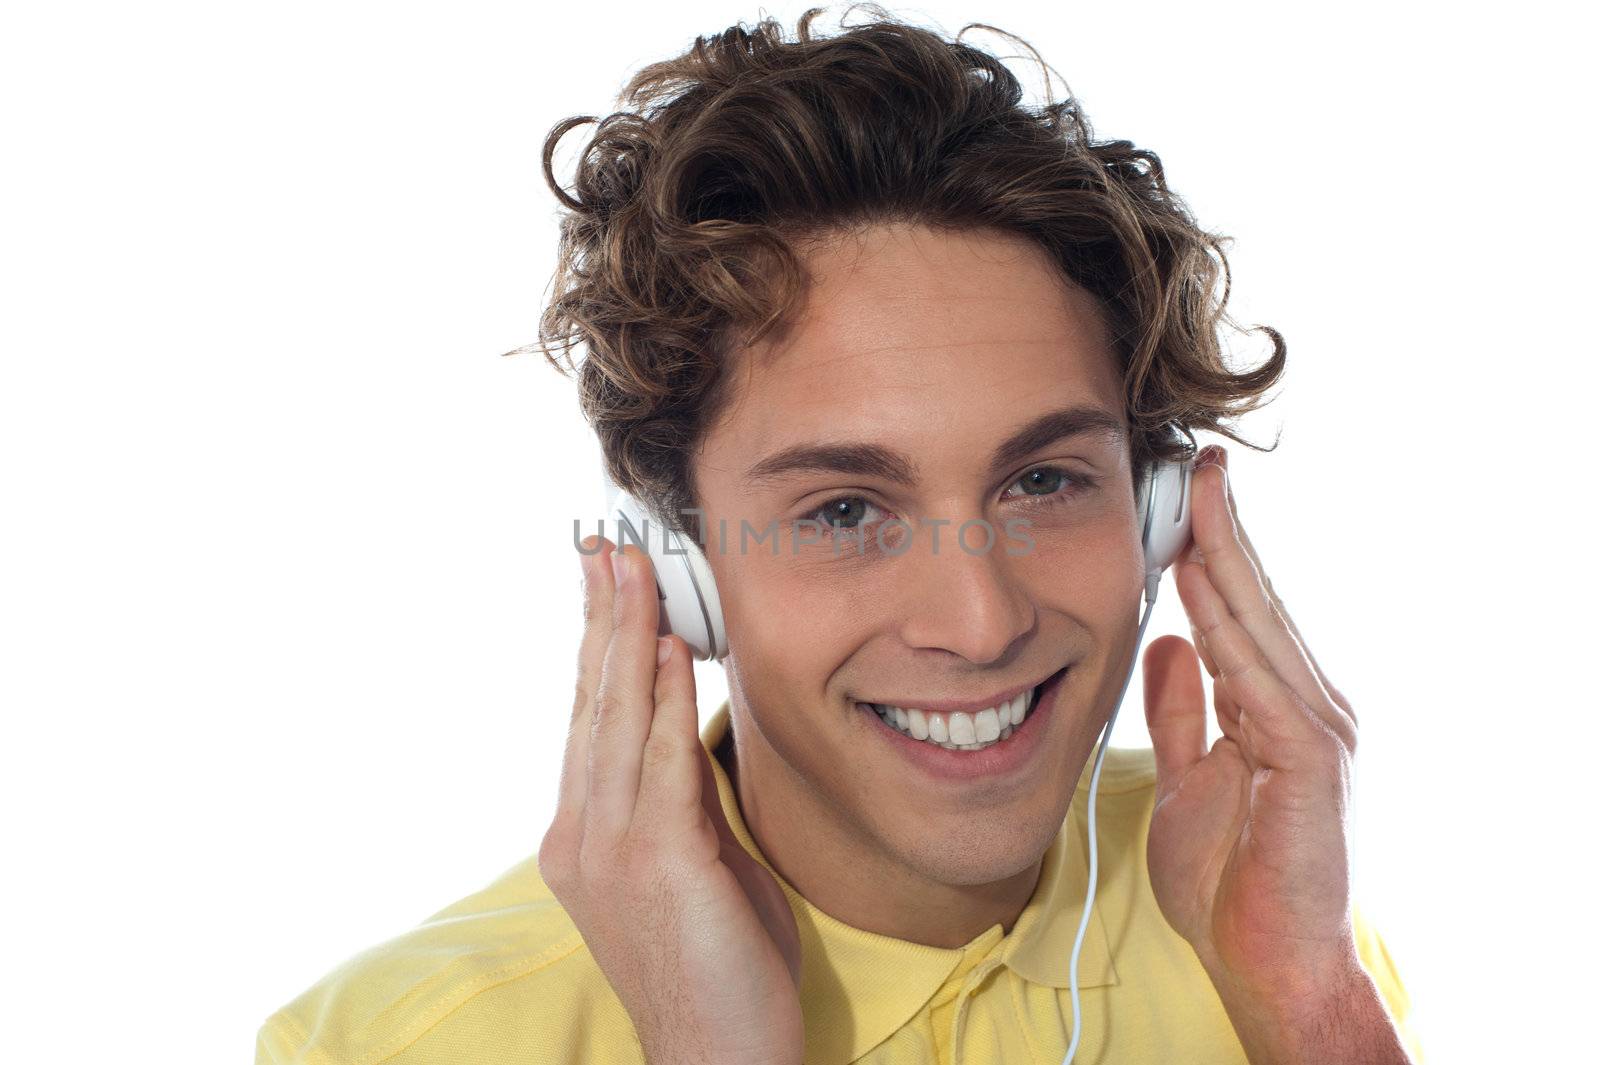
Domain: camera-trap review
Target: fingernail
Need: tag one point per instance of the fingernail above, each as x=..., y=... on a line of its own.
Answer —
x=663, y=650
x=619, y=565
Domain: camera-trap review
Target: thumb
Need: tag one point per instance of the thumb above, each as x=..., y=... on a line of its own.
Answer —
x=1174, y=708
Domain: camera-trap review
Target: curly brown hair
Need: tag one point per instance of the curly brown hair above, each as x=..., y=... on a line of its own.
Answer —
x=682, y=228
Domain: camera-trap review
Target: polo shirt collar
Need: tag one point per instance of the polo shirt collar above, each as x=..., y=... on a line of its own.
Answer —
x=858, y=987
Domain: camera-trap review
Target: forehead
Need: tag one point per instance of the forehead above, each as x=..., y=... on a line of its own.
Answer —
x=906, y=332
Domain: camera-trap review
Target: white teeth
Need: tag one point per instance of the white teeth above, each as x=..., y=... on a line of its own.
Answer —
x=962, y=731
x=987, y=725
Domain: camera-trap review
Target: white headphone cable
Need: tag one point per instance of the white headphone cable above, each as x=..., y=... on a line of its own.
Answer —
x=1152, y=582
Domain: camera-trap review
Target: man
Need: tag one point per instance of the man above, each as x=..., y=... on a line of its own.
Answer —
x=813, y=877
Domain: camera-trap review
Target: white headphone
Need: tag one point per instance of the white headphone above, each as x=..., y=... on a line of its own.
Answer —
x=691, y=609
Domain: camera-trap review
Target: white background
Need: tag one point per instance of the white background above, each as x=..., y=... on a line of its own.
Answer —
x=289, y=608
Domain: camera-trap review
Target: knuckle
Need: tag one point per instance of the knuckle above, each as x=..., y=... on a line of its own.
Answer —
x=1208, y=629
x=657, y=756
x=1330, y=741
x=1330, y=737
x=1247, y=670
x=1339, y=727
x=555, y=858
x=581, y=700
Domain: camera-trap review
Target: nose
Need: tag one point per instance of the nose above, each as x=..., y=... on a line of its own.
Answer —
x=973, y=603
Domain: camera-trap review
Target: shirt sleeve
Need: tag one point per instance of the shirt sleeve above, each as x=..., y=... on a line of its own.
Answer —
x=279, y=1042
x=1380, y=966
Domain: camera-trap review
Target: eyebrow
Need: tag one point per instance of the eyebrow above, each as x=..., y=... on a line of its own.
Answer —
x=875, y=460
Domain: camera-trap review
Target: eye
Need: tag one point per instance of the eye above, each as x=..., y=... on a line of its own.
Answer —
x=1045, y=484
x=844, y=513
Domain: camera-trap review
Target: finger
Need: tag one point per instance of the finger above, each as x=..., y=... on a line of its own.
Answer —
x=1279, y=730
x=1227, y=709
x=1277, y=601
x=1174, y=708
x=1238, y=580
x=597, y=591
x=625, y=702
x=670, y=780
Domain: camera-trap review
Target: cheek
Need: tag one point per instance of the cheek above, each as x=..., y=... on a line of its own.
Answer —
x=793, y=627
x=1098, y=562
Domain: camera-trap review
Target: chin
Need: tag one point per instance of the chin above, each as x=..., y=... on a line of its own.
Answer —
x=1002, y=846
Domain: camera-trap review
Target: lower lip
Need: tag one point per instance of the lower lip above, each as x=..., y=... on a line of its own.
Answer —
x=1009, y=756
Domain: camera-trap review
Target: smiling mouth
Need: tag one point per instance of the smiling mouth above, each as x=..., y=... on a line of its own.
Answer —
x=964, y=730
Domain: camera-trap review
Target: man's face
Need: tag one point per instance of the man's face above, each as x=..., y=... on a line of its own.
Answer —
x=938, y=348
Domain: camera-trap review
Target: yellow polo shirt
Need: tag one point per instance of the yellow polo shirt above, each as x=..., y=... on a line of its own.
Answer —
x=503, y=976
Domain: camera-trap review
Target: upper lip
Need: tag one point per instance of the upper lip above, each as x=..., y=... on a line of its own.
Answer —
x=954, y=706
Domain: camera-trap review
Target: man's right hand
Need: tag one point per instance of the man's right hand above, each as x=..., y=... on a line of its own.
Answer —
x=693, y=934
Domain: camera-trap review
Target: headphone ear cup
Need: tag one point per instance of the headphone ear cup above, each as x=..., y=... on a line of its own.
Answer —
x=689, y=604
x=1164, y=514
x=705, y=602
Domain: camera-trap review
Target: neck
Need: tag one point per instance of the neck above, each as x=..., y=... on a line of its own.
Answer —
x=848, y=876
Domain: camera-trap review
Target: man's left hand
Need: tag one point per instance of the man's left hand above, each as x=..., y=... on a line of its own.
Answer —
x=1248, y=846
